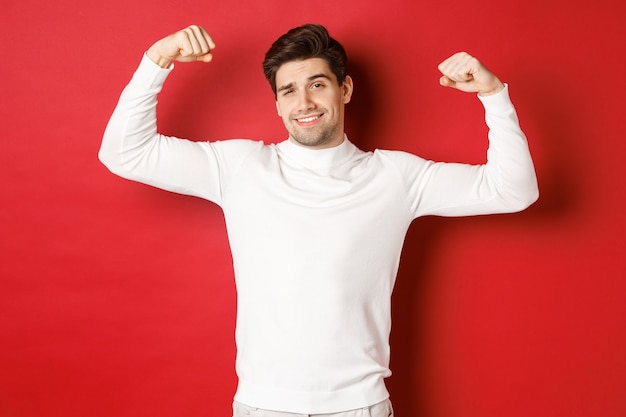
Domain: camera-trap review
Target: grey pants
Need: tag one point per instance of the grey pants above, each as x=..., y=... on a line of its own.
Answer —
x=382, y=409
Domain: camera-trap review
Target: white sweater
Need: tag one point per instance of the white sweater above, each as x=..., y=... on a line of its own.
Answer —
x=316, y=237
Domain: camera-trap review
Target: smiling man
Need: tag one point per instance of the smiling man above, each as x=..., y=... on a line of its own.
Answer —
x=311, y=102
x=316, y=226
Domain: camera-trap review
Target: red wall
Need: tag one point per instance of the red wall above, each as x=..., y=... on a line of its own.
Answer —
x=117, y=299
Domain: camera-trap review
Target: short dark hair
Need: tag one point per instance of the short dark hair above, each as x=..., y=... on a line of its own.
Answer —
x=304, y=42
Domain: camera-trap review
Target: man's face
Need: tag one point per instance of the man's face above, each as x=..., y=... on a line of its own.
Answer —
x=311, y=102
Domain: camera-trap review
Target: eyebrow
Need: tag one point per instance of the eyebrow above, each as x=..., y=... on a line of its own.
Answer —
x=311, y=78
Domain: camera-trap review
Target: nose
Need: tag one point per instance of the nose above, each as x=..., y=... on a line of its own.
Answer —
x=305, y=102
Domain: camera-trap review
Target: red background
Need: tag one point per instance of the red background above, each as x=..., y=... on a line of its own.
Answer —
x=117, y=299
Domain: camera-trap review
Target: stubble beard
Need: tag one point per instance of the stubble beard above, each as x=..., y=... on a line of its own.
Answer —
x=314, y=137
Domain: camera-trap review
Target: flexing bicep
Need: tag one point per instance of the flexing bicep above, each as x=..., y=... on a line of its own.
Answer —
x=132, y=148
x=451, y=189
x=201, y=169
x=455, y=189
x=505, y=184
x=173, y=164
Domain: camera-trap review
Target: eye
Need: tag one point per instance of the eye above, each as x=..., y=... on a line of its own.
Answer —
x=317, y=85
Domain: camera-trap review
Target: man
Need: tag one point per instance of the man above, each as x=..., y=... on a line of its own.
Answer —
x=316, y=226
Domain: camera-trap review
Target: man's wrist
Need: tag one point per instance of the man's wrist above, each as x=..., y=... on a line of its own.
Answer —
x=496, y=89
x=158, y=59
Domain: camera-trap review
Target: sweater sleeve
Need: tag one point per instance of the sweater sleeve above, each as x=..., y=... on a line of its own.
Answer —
x=132, y=148
x=506, y=183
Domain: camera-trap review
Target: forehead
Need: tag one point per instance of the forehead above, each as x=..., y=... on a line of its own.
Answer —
x=300, y=71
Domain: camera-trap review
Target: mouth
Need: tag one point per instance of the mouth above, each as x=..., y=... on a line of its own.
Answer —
x=308, y=120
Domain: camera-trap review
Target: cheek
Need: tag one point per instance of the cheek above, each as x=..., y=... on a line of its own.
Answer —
x=283, y=109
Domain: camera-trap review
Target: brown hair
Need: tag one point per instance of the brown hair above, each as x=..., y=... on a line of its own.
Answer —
x=304, y=42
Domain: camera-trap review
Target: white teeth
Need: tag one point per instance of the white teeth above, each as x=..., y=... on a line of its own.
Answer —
x=308, y=119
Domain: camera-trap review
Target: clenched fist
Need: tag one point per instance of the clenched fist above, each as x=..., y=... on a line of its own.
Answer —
x=190, y=44
x=465, y=73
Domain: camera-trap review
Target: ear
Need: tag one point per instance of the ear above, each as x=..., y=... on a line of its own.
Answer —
x=348, y=88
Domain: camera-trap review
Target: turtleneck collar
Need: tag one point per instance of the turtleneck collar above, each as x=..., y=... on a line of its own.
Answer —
x=318, y=159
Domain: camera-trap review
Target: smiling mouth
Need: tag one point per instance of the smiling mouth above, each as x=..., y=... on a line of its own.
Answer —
x=308, y=119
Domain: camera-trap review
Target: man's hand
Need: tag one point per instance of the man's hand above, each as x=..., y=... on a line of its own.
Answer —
x=465, y=73
x=187, y=45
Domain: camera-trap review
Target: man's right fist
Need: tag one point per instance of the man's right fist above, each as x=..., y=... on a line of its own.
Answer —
x=190, y=44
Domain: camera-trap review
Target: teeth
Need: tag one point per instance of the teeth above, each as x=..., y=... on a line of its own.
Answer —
x=308, y=119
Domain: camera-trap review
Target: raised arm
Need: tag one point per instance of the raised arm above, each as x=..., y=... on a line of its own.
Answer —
x=131, y=146
x=507, y=182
